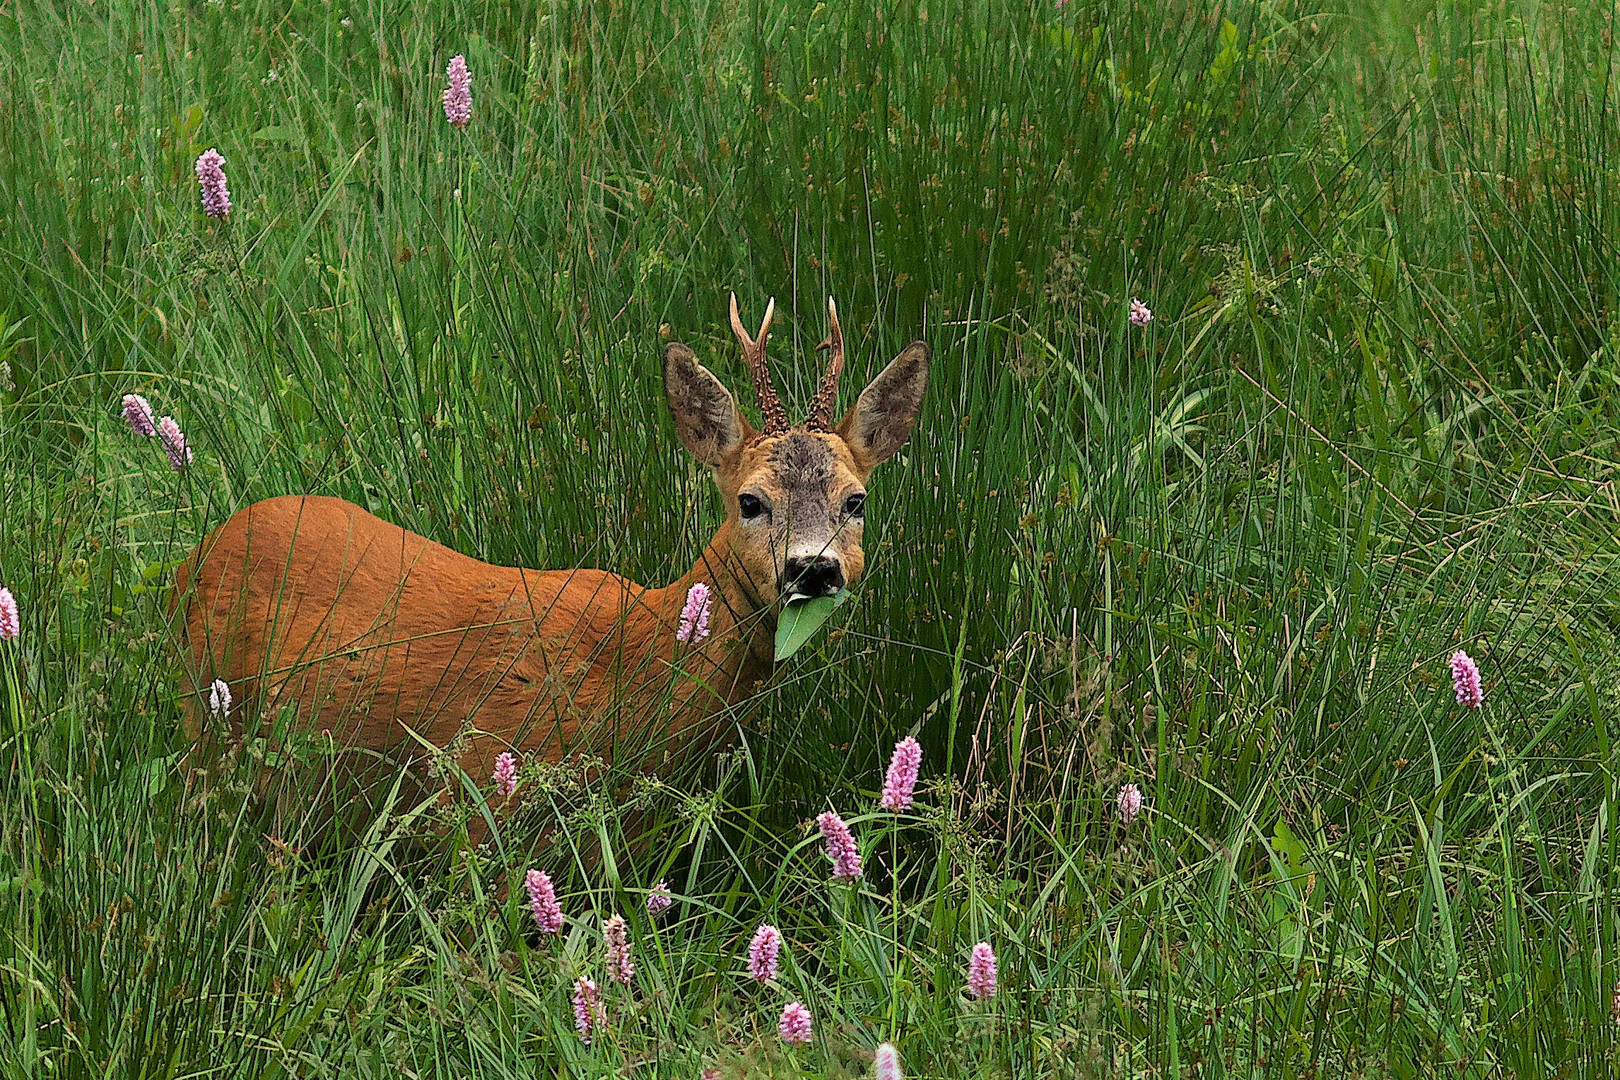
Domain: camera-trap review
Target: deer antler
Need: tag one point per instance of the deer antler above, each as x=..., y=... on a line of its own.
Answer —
x=820, y=418
x=754, y=352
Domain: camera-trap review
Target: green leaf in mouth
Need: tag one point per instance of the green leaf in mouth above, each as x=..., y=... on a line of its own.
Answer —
x=801, y=617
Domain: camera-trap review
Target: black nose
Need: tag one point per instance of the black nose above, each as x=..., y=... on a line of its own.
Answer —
x=819, y=576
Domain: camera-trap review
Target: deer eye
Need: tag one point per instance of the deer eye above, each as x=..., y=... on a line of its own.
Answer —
x=855, y=505
x=751, y=506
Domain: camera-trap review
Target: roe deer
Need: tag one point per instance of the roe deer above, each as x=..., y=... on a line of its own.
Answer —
x=367, y=629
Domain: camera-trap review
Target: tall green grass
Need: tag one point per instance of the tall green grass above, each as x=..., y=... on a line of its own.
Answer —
x=1224, y=556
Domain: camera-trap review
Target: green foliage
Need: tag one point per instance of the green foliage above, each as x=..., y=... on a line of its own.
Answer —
x=799, y=620
x=1223, y=556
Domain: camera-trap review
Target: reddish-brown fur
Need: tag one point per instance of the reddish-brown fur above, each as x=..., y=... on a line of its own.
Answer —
x=393, y=643
x=370, y=628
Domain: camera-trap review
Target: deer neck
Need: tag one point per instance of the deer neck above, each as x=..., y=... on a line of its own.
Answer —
x=736, y=654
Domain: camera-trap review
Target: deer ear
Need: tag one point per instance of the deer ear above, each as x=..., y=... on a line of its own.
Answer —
x=705, y=413
x=881, y=420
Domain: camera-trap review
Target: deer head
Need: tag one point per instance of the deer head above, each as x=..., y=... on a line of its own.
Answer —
x=795, y=496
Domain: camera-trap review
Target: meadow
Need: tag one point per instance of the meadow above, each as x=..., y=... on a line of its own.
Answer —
x=1224, y=555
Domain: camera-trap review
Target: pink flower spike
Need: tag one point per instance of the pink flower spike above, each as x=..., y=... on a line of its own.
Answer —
x=216, y=200
x=616, y=935
x=174, y=442
x=694, y=625
x=505, y=775
x=138, y=413
x=1465, y=680
x=458, y=95
x=795, y=1024
x=543, y=904
x=887, y=1062
x=982, y=971
x=10, y=622
x=840, y=846
x=1130, y=803
x=903, y=767
x=764, y=952
x=219, y=699
x=1140, y=315
x=588, y=1015
x=659, y=900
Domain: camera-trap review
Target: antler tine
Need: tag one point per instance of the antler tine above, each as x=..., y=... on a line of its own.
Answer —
x=827, y=393
x=765, y=324
x=770, y=406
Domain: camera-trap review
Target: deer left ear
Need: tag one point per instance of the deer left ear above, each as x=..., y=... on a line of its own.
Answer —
x=882, y=418
x=705, y=413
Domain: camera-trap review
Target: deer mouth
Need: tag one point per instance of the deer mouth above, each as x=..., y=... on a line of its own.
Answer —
x=806, y=579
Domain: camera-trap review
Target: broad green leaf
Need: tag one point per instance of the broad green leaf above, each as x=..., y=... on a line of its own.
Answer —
x=800, y=619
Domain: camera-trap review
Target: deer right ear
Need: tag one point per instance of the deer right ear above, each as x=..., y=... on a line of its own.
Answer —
x=706, y=416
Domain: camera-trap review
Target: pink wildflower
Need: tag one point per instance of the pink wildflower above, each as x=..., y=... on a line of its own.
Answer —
x=505, y=775
x=1140, y=315
x=1614, y=1003
x=216, y=200
x=763, y=953
x=658, y=900
x=795, y=1024
x=887, y=1062
x=458, y=95
x=588, y=1016
x=219, y=699
x=982, y=971
x=695, y=615
x=174, y=441
x=10, y=622
x=902, y=776
x=621, y=969
x=1130, y=803
x=1465, y=680
x=840, y=846
x=138, y=412
x=543, y=904
x=710, y=1073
